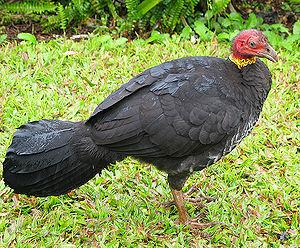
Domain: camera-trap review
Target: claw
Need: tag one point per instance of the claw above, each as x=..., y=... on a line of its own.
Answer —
x=183, y=215
x=198, y=201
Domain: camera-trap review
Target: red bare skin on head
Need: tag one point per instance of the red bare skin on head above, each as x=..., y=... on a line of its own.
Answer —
x=251, y=43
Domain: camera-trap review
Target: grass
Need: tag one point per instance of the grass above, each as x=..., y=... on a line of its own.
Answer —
x=256, y=187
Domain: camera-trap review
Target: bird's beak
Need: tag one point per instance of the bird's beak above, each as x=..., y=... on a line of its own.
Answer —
x=269, y=53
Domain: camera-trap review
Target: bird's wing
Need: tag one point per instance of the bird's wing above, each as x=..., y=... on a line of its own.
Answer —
x=144, y=79
x=148, y=77
x=175, y=109
x=194, y=112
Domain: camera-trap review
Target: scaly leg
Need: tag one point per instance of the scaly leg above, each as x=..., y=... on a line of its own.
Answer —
x=176, y=183
x=183, y=215
x=178, y=199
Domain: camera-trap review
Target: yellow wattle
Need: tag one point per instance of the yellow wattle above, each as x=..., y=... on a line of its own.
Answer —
x=240, y=63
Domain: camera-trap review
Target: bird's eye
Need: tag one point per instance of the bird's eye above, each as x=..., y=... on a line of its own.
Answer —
x=252, y=44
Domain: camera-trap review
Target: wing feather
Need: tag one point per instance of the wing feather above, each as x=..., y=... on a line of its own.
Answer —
x=174, y=109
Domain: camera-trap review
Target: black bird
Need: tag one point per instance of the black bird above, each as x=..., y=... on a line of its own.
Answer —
x=180, y=116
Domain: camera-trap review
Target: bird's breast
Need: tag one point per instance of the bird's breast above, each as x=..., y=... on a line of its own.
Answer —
x=242, y=131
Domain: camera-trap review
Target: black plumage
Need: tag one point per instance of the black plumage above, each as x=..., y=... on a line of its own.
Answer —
x=180, y=116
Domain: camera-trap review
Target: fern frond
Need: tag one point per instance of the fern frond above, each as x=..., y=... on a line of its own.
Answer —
x=50, y=24
x=145, y=6
x=172, y=15
x=189, y=7
x=62, y=17
x=81, y=7
x=28, y=7
x=218, y=6
x=154, y=18
x=97, y=5
x=59, y=21
x=131, y=6
x=112, y=9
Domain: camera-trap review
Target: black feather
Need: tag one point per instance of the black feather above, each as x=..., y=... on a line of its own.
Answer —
x=51, y=157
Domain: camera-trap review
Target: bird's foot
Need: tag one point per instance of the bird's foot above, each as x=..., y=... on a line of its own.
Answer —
x=196, y=201
x=183, y=215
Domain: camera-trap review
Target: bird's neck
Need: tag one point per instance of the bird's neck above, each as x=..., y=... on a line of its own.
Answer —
x=256, y=81
x=241, y=61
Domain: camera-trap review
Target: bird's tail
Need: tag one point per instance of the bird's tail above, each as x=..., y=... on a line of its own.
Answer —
x=51, y=157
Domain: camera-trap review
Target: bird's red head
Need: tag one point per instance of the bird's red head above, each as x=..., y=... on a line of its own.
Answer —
x=251, y=43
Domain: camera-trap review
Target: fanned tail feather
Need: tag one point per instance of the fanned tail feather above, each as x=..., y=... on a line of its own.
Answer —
x=51, y=157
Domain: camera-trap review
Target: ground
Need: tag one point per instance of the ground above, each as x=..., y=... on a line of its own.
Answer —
x=256, y=187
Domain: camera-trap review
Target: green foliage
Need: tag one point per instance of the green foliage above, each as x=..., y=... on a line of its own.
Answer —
x=225, y=27
x=296, y=29
x=112, y=9
x=97, y=6
x=29, y=7
x=3, y=38
x=202, y=31
x=216, y=7
x=171, y=16
x=27, y=37
x=131, y=6
x=145, y=6
x=59, y=14
x=167, y=15
x=202, y=19
x=62, y=17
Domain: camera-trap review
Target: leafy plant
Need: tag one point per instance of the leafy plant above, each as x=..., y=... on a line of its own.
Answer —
x=216, y=7
x=2, y=38
x=202, y=31
x=296, y=28
x=131, y=17
x=59, y=14
x=165, y=15
x=29, y=7
x=226, y=27
x=27, y=37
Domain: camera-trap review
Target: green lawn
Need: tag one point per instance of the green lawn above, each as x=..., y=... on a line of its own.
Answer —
x=257, y=186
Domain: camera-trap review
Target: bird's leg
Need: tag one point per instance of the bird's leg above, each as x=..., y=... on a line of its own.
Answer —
x=183, y=215
x=179, y=202
x=176, y=183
